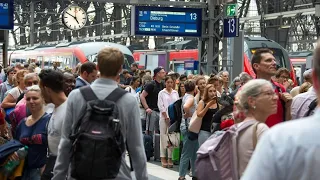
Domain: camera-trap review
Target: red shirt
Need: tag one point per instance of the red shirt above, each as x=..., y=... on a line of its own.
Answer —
x=279, y=116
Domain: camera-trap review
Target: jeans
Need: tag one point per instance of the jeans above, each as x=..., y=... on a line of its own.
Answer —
x=203, y=136
x=152, y=122
x=189, y=154
x=31, y=174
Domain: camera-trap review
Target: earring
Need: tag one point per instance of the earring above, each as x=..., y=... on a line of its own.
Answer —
x=254, y=107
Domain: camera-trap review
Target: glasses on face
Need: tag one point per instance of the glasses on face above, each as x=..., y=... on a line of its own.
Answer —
x=30, y=83
x=269, y=94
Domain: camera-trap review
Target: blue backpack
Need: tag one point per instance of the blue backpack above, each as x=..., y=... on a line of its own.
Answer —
x=174, y=111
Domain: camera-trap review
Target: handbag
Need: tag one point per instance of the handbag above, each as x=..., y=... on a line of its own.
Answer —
x=195, y=123
x=173, y=139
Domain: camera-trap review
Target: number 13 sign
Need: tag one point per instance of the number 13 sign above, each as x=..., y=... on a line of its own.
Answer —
x=231, y=27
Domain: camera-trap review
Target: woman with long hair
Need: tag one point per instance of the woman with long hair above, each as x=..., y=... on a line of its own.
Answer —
x=32, y=133
x=134, y=84
x=166, y=97
x=201, y=84
x=258, y=100
x=12, y=96
x=206, y=109
x=181, y=90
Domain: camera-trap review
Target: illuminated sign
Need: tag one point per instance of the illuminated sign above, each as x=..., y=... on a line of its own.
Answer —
x=6, y=14
x=165, y=21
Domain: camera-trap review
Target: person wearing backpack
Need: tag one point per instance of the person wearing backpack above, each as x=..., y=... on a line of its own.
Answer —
x=290, y=150
x=234, y=147
x=102, y=122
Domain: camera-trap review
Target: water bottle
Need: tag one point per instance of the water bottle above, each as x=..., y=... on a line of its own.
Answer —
x=12, y=164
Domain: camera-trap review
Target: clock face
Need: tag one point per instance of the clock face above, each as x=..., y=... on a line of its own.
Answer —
x=74, y=17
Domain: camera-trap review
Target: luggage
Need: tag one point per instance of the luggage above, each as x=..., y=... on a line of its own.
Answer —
x=148, y=146
x=156, y=147
x=97, y=139
x=217, y=157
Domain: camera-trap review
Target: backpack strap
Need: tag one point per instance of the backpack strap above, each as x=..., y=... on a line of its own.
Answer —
x=116, y=94
x=254, y=135
x=311, y=107
x=88, y=93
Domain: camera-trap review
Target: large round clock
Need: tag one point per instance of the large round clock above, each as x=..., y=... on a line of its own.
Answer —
x=74, y=17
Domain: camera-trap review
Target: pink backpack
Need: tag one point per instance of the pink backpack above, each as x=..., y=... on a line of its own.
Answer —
x=217, y=157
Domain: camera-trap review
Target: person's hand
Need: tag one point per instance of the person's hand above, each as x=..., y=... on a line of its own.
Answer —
x=212, y=102
x=149, y=111
x=167, y=120
x=286, y=84
x=286, y=97
x=14, y=157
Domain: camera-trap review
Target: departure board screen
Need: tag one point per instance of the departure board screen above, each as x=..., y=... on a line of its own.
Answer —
x=165, y=21
x=6, y=14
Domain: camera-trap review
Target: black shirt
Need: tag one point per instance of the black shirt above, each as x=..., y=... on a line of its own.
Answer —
x=153, y=88
x=207, y=119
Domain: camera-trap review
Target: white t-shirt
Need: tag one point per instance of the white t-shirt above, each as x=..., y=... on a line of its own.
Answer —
x=133, y=92
x=55, y=126
x=15, y=92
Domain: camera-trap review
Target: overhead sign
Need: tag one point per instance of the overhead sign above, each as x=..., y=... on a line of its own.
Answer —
x=165, y=21
x=231, y=27
x=231, y=10
x=6, y=14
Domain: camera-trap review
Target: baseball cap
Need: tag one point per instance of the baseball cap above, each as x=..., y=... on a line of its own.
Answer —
x=156, y=70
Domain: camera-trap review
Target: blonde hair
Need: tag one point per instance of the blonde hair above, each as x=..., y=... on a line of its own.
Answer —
x=110, y=61
x=304, y=87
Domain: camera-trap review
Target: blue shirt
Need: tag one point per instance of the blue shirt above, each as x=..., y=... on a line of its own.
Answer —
x=288, y=151
x=35, y=137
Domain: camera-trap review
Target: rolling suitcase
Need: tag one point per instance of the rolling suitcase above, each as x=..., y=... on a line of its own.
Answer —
x=148, y=146
x=157, y=147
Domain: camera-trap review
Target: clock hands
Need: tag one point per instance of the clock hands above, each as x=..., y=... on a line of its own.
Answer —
x=74, y=17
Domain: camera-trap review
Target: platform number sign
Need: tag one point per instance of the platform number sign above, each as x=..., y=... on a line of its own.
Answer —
x=231, y=27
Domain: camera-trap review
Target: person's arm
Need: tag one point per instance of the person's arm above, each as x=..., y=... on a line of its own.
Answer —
x=162, y=108
x=135, y=143
x=202, y=109
x=8, y=102
x=263, y=163
x=187, y=106
x=64, y=150
x=147, y=90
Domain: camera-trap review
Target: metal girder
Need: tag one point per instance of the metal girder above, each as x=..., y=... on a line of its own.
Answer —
x=152, y=2
x=271, y=16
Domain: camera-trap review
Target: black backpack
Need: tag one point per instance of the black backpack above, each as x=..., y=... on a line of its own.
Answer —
x=312, y=106
x=98, y=142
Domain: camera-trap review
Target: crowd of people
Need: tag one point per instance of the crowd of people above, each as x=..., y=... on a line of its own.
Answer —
x=57, y=115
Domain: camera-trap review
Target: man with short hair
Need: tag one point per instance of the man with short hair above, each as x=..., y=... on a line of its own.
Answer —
x=110, y=62
x=225, y=79
x=69, y=83
x=88, y=73
x=52, y=89
x=264, y=65
x=149, y=100
x=135, y=69
x=290, y=150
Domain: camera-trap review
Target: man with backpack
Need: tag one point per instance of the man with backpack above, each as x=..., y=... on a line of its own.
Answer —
x=102, y=121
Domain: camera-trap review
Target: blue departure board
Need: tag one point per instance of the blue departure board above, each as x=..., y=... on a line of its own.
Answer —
x=166, y=21
x=6, y=14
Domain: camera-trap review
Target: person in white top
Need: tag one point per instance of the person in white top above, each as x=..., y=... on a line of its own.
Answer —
x=166, y=97
x=134, y=84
